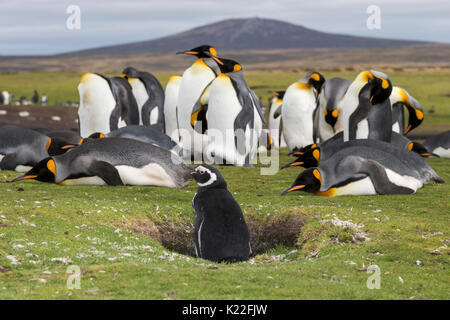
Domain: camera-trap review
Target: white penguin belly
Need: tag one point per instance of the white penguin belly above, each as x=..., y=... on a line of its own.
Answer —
x=223, y=109
x=362, y=131
x=194, y=80
x=360, y=187
x=442, y=152
x=396, y=127
x=96, y=104
x=274, y=126
x=150, y=175
x=297, y=115
x=170, y=107
x=140, y=93
x=403, y=181
x=154, y=115
x=85, y=181
x=21, y=168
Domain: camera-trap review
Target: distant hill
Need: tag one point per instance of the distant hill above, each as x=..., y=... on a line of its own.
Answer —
x=251, y=34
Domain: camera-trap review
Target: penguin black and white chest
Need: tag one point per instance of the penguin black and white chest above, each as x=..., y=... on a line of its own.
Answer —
x=149, y=96
x=328, y=115
x=113, y=161
x=105, y=104
x=367, y=111
x=221, y=233
x=22, y=148
x=299, y=104
x=144, y=134
x=275, y=122
x=399, y=99
x=193, y=82
x=439, y=144
x=233, y=115
x=170, y=107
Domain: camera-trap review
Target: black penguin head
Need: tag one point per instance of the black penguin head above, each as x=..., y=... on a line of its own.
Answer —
x=57, y=146
x=97, y=135
x=229, y=66
x=378, y=83
x=279, y=94
x=307, y=181
x=298, y=152
x=203, y=51
x=309, y=158
x=130, y=72
x=420, y=149
x=313, y=79
x=415, y=112
x=331, y=116
x=207, y=176
x=44, y=171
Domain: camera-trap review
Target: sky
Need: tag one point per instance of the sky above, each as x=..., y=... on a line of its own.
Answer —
x=35, y=27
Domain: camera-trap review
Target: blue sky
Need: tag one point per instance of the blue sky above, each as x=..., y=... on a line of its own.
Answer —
x=39, y=26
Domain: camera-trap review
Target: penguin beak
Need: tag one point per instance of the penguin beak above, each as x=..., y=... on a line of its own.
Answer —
x=292, y=164
x=188, y=52
x=24, y=177
x=69, y=146
x=429, y=154
x=290, y=189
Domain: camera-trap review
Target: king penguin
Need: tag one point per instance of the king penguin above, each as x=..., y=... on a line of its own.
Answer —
x=149, y=96
x=221, y=233
x=363, y=170
x=21, y=148
x=327, y=121
x=299, y=104
x=193, y=82
x=105, y=104
x=170, y=107
x=439, y=144
x=113, y=161
x=275, y=123
x=233, y=115
x=400, y=98
x=367, y=110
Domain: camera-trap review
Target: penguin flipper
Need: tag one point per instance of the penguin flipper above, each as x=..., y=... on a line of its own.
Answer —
x=257, y=105
x=277, y=112
x=198, y=114
x=146, y=111
x=105, y=171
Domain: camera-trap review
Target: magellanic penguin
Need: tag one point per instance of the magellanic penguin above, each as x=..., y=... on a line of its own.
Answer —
x=367, y=111
x=312, y=155
x=299, y=104
x=149, y=96
x=113, y=161
x=193, y=82
x=400, y=98
x=221, y=233
x=362, y=170
x=22, y=148
x=233, y=115
x=439, y=144
x=328, y=115
x=105, y=104
x=275, y=124
x=170, y=107
x=141, y=133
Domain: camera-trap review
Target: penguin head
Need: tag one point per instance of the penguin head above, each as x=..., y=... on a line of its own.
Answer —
x=279, y=94
x=313, y=79
x=331, y=116
x=298, y=152
x=57, y=146
x=229, y=66
x=420, y=149
x=130, y=72
x=309, y=158
x=375, y=84
x=400, y=95
x=44, y=170
x=97, y=135
x=207, y=176
x=308, y=181
x=204, y=51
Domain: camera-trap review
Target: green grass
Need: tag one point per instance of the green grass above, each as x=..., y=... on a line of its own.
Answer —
x=112, y=234
x=86, y=225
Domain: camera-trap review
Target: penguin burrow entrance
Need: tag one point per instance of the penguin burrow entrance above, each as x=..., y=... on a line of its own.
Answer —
x=265, y=233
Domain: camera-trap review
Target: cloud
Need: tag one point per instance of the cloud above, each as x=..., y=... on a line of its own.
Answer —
x=40, y=26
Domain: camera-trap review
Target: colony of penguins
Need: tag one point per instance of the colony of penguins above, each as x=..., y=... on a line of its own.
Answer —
x=349, y=137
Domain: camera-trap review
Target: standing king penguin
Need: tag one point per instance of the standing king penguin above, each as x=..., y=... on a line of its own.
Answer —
x=105, y=104
x=299, y=104
x=400, y=98
x=149, y=96
x=367, y=111
x=170, y=107
x=193, y=82
x=275, y=124
x=233, y=115
x=328, y=115
x=221, y=233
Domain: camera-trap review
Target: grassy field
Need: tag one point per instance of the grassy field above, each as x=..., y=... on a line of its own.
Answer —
x=136, y=242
